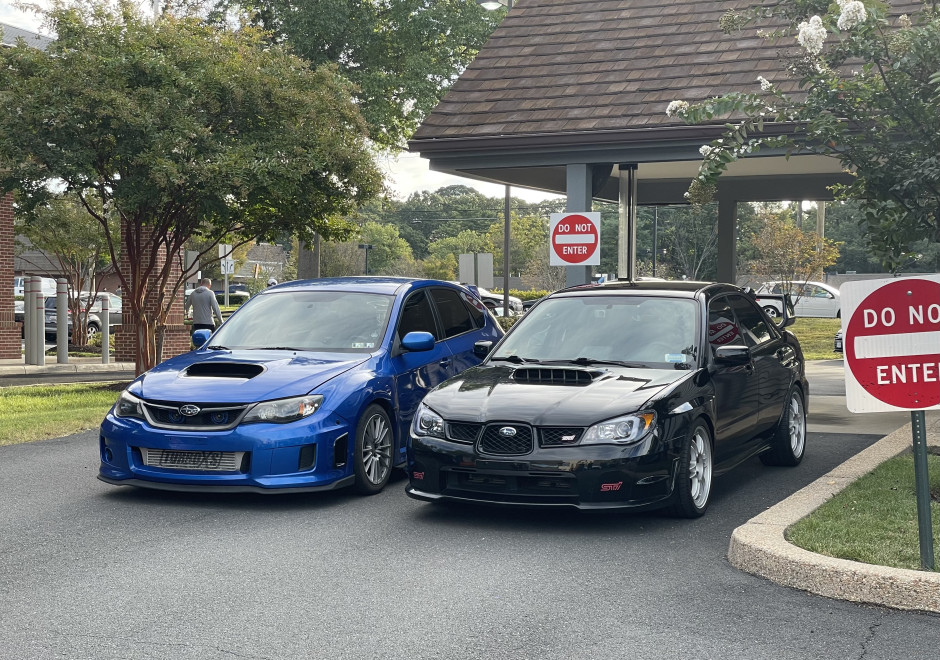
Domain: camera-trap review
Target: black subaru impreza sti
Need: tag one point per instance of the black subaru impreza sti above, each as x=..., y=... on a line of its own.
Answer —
x=622, y=395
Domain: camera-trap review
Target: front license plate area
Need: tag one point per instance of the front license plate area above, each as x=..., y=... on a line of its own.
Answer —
x=199, y=461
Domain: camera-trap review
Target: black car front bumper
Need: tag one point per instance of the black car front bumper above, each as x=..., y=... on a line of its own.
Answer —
x=585, y=477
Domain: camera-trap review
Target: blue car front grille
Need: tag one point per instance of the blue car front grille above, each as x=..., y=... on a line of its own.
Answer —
x=209, y=418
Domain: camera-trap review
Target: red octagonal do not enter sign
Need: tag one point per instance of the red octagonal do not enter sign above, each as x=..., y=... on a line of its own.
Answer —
x=892, y=344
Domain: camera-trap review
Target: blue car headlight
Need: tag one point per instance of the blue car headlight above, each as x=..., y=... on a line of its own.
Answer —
x=620, y=430
x=128, y=405
x=281, y=411
x=426, y=422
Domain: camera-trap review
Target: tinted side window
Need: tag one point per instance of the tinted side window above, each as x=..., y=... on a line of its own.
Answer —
x=417, y=316
x=750, y=319
x=476, y=309
x=455, y=318
x=723, y=329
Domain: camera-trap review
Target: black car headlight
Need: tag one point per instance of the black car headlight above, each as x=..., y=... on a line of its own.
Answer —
x=426, y=422
x=128, y=405
x=620, y=430
x=281, y=411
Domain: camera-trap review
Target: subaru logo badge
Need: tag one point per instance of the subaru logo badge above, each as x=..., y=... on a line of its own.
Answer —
x=189, y=410
x=507, y=431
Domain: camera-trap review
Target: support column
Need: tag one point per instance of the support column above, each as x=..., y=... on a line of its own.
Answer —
x=626, y=240
x=10, y=344
x=579, y=188
x=727, y=240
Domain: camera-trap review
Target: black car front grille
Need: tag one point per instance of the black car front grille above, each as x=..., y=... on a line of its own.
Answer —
x=459, y=432
x=497, y=439
x=214, y=418
x=559, y=437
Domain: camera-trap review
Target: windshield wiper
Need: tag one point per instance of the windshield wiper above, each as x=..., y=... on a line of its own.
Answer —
x=588, y=361
x=515, y=359
x=274, y=348
x=218, y=347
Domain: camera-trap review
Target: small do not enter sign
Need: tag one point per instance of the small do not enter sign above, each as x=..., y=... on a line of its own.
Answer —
x=575, y=239
x=892, y=344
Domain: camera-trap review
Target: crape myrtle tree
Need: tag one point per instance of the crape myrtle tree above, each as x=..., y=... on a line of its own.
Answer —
x=178, y=130
x=869, y=85
x=75, y=240
x=402, y=55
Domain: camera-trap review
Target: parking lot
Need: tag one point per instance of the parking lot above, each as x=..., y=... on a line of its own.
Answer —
x=89, y=570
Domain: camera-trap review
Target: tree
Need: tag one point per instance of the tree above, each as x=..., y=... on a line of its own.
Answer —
x=868, y=90
x=400, y=54
x=466, y=242
x=178, y=130
x=76, y=241
x=528, y=240
x=786, y=253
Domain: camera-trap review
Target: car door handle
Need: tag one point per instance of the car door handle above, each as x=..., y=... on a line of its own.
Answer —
x=445, y=362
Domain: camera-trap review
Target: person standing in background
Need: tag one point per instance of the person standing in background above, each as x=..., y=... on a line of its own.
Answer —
x=204, y=305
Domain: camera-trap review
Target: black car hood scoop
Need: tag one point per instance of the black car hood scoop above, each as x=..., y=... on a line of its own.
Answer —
x=557, y=376
x=212, y=369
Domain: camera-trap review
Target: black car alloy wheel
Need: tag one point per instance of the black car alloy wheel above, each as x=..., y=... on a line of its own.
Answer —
x=373, y=457
x=694, y=480
x=789, y=441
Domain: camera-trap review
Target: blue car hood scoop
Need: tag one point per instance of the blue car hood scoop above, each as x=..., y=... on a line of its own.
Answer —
x=223, y=370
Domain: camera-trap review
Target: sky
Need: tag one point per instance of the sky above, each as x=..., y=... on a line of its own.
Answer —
x=405, y=174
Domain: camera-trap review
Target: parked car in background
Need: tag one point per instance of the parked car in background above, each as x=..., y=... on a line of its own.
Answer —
x=93, y=308
x=310, y=385
x=624, y=395
x=48, y=285
x=837, y=342
x=810, y=299
x=494, y=300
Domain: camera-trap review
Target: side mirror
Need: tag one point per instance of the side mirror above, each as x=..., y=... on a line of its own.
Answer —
x=200, y=337
x=418, y=341
x=732, y=355
x=482, y=348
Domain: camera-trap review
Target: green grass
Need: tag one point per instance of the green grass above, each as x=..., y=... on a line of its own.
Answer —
x=39, y=412
x=816, y=337
x=874, y=520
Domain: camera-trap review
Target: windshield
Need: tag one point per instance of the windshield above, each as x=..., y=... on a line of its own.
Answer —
x=647, y=331
x=325, y=321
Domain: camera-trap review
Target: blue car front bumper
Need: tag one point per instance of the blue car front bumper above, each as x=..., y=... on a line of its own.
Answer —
x=307, y=455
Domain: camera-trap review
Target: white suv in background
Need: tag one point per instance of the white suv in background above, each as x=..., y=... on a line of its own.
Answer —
x=809, y=299
x=48, y=286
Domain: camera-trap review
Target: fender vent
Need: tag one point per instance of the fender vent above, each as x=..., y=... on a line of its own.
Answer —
x=244, y=370
x=549, y=376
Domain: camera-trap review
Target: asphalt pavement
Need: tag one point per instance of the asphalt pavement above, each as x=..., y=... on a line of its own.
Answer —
x=89, y=570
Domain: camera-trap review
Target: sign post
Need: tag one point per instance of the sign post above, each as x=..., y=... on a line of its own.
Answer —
x=892, y=362
x=575, y=239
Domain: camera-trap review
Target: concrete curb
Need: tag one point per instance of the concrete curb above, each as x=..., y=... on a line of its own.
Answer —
x=71, y=367
x=760, y=548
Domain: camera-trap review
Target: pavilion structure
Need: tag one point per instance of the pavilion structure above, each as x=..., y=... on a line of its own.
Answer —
x=570, y=97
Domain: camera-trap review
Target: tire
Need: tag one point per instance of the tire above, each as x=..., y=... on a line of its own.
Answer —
x=372, y=460
x=772, y=311
x=694, y=480
x=92, y=330
x=789, y=442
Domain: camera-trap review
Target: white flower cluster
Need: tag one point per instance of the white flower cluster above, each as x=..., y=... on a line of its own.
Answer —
x=705, y=150
x=765, y=85
x=853, y=13
x=904, y=21
x=811, y=35
x=676, y=108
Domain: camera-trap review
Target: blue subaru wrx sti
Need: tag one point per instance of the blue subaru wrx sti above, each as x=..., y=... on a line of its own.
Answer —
x=310, y=385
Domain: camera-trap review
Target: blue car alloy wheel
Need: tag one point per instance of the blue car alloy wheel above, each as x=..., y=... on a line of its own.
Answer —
x=310, y=385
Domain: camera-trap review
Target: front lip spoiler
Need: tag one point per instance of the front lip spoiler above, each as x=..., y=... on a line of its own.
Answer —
x=589, y=506
x=195, y=488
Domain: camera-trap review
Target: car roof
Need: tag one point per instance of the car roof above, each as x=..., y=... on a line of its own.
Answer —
x=363, y=283
x=671, y=288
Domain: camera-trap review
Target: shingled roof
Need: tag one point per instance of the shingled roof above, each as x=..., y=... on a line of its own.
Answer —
x=595, y=75
x=556, y=66
x=11, y=35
